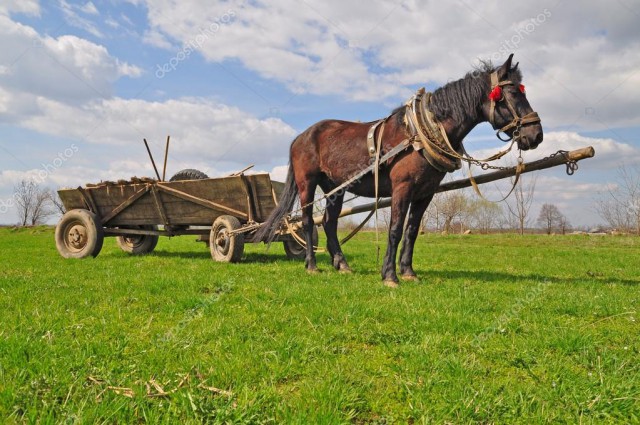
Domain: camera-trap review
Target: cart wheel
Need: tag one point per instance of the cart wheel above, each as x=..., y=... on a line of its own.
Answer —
x=79, y=234
x=188, y=174
x=225, y=247
x=139, y=244
x=294, y=250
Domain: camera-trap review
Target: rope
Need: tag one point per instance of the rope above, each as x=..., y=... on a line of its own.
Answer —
x=376, y=172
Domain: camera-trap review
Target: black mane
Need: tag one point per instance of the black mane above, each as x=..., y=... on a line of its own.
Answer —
x=459, y=99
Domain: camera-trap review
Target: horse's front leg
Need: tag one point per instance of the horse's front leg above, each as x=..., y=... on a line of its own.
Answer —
x=411, y=230
x=399, y=207
x=330, y=224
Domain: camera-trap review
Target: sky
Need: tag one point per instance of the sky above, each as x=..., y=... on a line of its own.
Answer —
x=233, y=82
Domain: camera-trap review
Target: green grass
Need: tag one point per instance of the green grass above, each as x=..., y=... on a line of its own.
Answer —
x=501, y=329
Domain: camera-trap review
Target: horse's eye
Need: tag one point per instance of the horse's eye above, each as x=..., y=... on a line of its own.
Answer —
x=521, y=87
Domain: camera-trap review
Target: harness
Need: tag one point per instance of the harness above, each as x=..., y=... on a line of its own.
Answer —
x=517, y=122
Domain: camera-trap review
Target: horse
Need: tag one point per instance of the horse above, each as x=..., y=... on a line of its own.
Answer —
x=331, y=152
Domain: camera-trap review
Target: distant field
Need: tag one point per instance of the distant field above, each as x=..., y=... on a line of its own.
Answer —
x=501, y=329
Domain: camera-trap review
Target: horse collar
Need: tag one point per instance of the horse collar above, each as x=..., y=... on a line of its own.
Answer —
x=433, y=141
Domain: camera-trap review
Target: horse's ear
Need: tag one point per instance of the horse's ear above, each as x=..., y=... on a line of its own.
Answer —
x=515, y=67
x=505, y=68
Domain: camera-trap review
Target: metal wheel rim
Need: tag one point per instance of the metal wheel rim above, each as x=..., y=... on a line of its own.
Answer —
x=222, y=242
x=75, y=236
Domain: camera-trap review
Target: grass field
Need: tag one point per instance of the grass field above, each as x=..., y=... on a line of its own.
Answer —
x=501, y=329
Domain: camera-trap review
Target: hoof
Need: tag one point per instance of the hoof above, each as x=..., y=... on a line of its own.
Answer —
x=313, y=271
x=345, y=270
x=410, y=278
x=390, y=283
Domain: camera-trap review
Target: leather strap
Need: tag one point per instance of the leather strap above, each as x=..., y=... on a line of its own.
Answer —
x=371, y=143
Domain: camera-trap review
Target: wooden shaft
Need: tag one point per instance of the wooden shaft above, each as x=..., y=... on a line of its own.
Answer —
x=541, y=164
x=166, y=154
x=151, y=157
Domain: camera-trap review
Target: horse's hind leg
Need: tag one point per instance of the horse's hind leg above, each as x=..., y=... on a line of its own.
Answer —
x=306, y=190
x=411, y=230
x=330, y=224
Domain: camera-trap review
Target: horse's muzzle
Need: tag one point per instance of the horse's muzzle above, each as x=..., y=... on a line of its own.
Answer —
x=530, y=137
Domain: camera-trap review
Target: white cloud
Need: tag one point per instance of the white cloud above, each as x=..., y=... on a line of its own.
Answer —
x=279, y=173
x=28, y=7
x=90, y=9
x=201, y=129
x=581, y=75
x=156, y=39
x=73, y=18
x=77, y=70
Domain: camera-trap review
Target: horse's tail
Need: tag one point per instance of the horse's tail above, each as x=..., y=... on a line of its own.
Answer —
x=267, y=231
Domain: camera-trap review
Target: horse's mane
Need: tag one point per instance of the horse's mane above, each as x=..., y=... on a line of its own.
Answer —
x=459, y=99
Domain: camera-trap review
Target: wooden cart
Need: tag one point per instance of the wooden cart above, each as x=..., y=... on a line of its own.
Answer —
x=225, y=212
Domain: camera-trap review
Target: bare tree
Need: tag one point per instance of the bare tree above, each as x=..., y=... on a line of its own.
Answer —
x=620, y=206
x=564, y=224
x=33, y=203
x=485, y=215
x=58, y=206
x=384, y=218
x=431, y=219
x=550, y=218
x=451, y=206
x=519, y=203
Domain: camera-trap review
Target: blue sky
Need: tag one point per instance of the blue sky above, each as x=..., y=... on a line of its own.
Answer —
x=81, y=83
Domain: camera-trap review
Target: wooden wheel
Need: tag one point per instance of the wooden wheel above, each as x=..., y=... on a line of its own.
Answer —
x=79, y=234
x=225, y=246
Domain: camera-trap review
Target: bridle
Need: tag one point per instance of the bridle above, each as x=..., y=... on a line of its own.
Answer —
x=517, y=122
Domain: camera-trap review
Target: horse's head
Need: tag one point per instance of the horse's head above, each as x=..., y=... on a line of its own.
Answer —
x=508, y=110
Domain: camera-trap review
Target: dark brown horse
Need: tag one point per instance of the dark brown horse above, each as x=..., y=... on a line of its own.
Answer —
x=330, y=152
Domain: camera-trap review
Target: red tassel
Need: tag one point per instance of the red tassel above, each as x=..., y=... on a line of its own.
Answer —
x=521, y=87
x=496, y=94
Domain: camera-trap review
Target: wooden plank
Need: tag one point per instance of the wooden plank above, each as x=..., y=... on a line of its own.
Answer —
x=246, y=186
x=125, y=204
x=71, y=199
x=227, y=191
x=159, y=205
x=205, y=203
x=263, y=191
x=255, y=199
x=88, y=200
